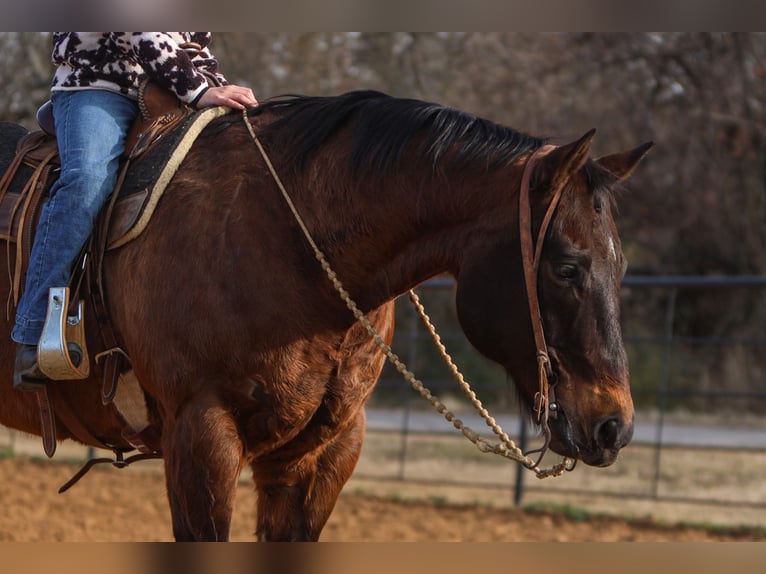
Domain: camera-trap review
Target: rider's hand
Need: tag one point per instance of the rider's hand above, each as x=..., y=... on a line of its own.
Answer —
x=236, y=97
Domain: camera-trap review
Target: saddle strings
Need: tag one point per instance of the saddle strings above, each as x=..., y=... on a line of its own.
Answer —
x=506, y=447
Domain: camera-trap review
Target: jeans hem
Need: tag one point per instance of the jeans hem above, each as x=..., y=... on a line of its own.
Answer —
x=27, y=331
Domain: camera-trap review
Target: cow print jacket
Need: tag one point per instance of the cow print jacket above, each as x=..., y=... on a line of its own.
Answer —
x=119, y=61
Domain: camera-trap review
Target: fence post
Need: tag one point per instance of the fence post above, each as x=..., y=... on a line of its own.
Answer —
x=518, y=490
x=412, y=351
x=662, y=394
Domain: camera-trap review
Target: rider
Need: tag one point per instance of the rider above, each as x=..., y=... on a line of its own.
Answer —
x=94, y=96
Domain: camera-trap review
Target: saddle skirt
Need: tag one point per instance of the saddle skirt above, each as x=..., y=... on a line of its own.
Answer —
x=151, y=162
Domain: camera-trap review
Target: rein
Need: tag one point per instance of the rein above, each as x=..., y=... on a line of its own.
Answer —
x=506, y=446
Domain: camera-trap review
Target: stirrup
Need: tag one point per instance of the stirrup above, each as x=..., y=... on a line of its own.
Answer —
x=59, y=332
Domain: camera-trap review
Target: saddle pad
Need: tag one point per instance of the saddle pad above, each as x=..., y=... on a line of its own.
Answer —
x=148, y=176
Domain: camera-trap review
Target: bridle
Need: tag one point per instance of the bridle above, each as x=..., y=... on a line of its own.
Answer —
x=531, y=251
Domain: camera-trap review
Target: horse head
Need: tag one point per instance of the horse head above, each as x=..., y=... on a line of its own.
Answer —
x=577, y=276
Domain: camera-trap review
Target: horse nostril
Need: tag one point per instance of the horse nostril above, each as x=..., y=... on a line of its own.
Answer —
x=607, y=433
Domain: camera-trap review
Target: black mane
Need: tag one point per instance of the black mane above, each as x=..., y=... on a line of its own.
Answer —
x=385, y=125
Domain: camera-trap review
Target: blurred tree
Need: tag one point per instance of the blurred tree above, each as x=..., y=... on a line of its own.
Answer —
x=25, y=75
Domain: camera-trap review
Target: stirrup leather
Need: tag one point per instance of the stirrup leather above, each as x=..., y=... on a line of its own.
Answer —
x=60, y=328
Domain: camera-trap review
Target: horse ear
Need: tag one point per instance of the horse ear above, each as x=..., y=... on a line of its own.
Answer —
x=621, y=165
x=565, y=160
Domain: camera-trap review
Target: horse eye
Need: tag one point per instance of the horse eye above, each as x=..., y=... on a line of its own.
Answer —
x=567, y=271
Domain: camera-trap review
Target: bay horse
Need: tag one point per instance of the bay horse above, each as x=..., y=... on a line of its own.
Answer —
x=247, y=355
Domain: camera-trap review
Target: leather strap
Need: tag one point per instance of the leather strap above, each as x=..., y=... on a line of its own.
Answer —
x=69, y=417
x=7, y=178
x=114, y=358
x=118, y=462
x=531, y=252
x=33, y=198
x=47, y=422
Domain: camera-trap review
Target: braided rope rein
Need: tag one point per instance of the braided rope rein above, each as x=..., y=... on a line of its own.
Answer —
x=506, y=447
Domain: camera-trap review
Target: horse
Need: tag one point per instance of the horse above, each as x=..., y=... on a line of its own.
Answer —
x=248, y=356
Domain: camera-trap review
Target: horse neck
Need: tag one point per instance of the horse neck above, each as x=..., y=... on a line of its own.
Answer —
x=388, y=234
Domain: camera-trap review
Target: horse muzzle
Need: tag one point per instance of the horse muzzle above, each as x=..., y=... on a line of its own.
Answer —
x=599, y=446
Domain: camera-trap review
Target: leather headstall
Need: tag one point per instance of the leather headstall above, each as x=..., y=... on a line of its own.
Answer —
x=531, y=253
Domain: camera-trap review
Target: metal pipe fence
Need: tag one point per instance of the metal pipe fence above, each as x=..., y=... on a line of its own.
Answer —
x=694, y=443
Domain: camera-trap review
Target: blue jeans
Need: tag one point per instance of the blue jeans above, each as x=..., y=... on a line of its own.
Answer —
x=91, y=126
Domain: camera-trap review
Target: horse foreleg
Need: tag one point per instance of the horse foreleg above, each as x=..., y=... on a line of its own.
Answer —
x=203, y=460
x=295, y=498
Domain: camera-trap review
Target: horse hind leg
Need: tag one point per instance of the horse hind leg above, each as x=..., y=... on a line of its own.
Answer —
x=203, y=460
x=296, y=497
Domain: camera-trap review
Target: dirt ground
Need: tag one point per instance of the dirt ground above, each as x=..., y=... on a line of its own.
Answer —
x=130, y=505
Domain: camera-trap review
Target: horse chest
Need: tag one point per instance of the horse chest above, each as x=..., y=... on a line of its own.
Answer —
x=313, y=390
